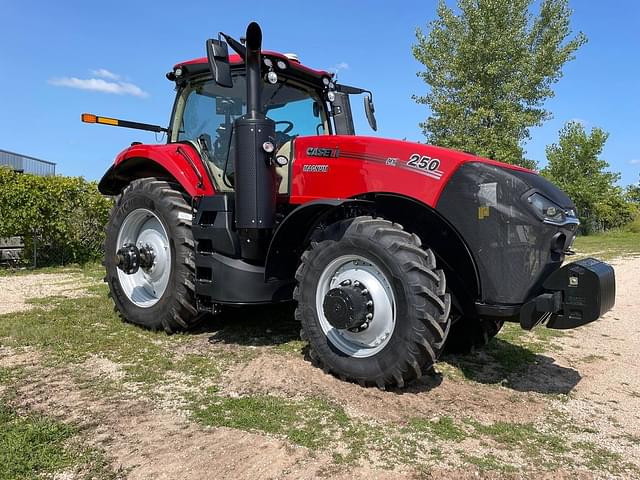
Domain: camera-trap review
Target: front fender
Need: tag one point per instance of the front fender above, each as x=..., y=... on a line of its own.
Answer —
x=291, y=237
x=180, y=161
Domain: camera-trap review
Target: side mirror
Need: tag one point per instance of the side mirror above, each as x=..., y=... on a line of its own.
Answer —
x=369, y=110
x=218, y=56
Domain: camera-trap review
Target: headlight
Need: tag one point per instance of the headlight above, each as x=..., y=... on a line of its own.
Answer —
x=550, y=212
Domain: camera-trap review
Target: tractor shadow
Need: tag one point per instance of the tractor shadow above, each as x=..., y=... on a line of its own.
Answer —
x=515, y=367
x=254, y=326
x=499, y=363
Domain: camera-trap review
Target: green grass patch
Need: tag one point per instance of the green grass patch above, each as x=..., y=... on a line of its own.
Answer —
x=32, y=445
x=525, y=436
x=599, y=458
x=310, y=423
x=510, y=353
x=444, y=428
x=488, y=463
x=608, y=245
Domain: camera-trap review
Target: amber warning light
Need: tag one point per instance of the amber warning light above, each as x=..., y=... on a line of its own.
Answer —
x=91, y=118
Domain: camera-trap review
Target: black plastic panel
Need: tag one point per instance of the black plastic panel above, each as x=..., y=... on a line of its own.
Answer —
x=510, y=245
x=213, y=226
x=225, y=280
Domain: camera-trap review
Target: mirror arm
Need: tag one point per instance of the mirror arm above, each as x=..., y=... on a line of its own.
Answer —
x=236, y=45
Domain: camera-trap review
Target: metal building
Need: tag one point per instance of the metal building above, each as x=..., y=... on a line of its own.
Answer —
x=26, y=164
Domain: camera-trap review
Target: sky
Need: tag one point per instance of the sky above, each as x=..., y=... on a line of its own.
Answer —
x=60, y=59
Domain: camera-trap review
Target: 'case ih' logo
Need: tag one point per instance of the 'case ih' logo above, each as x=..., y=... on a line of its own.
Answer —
x=322, y=152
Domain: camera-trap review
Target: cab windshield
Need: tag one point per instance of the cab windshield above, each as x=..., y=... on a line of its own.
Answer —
x=205, y=112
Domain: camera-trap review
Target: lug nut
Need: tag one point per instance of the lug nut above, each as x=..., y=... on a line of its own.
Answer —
x=365, y=291
x=369, y=316
x=370, y=303
x=356, y=283
x=345, y=283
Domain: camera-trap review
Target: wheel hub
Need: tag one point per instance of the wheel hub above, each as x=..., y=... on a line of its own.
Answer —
x=349, y=289
x=349, y=306
x=130, y=258
x=143, y=257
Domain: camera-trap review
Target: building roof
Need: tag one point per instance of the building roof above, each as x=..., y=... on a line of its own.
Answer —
x=26, y=163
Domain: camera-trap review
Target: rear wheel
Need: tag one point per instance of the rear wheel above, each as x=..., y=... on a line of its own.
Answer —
x=149, y=256
x=372, y=304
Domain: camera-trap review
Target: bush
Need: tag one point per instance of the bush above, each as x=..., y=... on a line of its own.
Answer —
x=63, y=216
x=634, y=226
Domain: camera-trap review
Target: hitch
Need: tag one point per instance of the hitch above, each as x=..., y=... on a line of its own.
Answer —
x=577, y=294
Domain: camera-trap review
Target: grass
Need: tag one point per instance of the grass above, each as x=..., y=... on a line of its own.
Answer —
x=608, y=245
x=310, y=423
x=506, y=356
x=33, y=446
x=444, y=428
x=488, y=462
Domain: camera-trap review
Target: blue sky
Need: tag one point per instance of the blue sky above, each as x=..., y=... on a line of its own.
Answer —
x=127, y=47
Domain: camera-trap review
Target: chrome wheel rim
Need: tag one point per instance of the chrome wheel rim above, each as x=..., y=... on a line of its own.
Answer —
x=376, y=336
x=143, y=228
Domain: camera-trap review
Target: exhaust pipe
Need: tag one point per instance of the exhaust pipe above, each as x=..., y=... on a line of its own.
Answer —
x=255, y=181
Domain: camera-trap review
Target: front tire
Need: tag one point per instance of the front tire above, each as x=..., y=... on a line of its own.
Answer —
x=406, y=309
x=469, y=334
x=153, y=213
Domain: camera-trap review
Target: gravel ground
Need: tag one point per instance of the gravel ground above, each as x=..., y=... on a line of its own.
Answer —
x=590, y=375
x=17, y=290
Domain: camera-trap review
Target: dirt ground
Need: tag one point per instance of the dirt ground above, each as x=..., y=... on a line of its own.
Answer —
x=591, y=376
x=17, y=290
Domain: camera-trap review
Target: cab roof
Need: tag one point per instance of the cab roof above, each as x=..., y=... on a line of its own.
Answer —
x=235, y=59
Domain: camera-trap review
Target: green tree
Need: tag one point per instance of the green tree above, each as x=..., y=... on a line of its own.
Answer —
x=576, y=167
x=490, y=69
x=633, y=193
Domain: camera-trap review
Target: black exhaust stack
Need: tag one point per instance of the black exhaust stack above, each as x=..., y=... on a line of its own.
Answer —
x=255, y=191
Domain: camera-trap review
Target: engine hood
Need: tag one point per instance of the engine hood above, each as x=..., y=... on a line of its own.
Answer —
x=346, y=166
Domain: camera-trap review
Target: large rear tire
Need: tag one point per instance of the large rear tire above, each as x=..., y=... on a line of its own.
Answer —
x=153, y=213
x=405, y=307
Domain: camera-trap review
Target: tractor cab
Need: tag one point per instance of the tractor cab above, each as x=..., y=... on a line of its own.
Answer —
x=204, y=111
x=300, y=100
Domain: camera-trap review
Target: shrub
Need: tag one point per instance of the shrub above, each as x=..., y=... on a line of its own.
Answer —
x=62, y=218
x=634, y=226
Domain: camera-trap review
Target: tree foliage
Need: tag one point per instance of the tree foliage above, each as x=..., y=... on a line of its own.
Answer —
x=65, y=215
x=633, y=193
x=490, y=68
x=576, y=167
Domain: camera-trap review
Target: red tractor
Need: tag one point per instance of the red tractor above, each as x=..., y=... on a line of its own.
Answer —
x=392, y=250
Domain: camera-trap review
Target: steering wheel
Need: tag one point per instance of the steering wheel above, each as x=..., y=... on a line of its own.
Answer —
x=288, y=128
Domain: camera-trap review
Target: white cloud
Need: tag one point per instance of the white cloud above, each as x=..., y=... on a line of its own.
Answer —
x=104, y=73
x=100, y=85
x=635, y=161
x=339, y=66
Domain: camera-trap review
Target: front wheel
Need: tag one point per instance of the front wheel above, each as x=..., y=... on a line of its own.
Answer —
x=149, y=256
x=372, y=304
